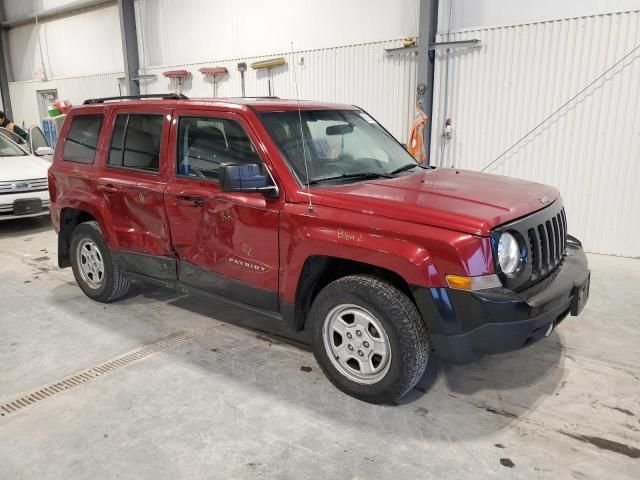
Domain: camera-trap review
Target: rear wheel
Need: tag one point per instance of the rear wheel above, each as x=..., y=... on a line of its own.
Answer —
x=99, y=277
x=369, y=338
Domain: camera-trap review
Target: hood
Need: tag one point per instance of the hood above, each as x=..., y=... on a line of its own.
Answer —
x=461, y=200
x=28, y=167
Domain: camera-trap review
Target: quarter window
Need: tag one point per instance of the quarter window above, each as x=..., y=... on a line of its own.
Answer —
x=82, y=139
x=204, y=143
x=136, y=142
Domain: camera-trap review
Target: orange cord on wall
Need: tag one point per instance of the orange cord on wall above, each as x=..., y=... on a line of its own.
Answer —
x=416, y=146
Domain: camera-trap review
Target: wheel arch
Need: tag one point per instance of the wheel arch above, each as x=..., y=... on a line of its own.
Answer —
x=319, y=271
x=70, y=218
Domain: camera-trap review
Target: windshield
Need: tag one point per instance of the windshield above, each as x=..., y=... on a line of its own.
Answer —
x=340, y=145
x=9, y=149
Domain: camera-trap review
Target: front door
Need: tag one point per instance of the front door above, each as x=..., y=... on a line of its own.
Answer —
x=227, y=243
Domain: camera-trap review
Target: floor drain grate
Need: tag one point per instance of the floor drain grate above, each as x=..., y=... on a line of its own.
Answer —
x=91, y=373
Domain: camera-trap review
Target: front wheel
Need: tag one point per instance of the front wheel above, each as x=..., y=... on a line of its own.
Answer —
x=369, y=338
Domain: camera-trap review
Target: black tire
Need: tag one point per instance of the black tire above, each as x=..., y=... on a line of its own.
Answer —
x=115, y=283
x=401, y=321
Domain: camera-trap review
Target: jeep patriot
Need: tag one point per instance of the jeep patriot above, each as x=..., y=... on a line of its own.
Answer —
x=314, y=214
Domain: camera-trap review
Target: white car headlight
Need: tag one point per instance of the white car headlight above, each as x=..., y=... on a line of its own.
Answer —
x=508, y=254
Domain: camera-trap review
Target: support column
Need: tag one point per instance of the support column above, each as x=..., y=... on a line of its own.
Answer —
x=4, y=79
x=427, y=33
x=129, y=45
x=4, y=69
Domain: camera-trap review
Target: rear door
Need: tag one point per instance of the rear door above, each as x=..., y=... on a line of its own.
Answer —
x=132, y=185
x=227, y=243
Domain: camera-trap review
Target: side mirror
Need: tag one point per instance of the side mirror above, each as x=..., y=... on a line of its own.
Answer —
x=43, y=151
x=245, y=178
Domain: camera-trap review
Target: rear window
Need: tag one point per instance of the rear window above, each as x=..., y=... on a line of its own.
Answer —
x=82, y=138
x=136, y=142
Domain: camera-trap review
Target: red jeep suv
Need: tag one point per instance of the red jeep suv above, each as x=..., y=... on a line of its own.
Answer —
x=314, y=214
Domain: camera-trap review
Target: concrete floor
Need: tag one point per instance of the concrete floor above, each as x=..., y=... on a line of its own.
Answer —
x=236, y=402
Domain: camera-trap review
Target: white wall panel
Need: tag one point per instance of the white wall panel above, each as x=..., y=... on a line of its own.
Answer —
x=356, y=74
x=14, y=9
x=189, y=31
x=363, y=75
x=590, y=150
x=83, y=44
x=492, y=13
x=24, y=95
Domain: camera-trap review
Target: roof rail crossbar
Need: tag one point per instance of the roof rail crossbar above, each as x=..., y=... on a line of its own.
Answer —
x=163, y=96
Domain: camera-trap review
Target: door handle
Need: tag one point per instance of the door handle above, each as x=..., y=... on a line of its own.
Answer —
x=190, y=200
x=107, y=188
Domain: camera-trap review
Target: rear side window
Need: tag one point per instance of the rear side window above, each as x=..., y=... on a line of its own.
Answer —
x=82, y=138
x=136, y=142
x=204, y=143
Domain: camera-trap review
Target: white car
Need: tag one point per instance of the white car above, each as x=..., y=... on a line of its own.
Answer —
x=24, y=188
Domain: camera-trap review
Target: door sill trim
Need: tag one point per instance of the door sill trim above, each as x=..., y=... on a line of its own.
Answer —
x=201, y=293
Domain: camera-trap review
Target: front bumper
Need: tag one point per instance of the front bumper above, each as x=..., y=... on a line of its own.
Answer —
x=466, y=325
x=36, y=202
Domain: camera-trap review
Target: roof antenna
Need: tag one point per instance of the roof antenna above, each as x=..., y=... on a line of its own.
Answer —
x=304, y=148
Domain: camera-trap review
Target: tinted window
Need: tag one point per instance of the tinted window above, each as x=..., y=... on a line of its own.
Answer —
x=136, y=142
x=82, y=138
x=205, y=143
x=115, y=152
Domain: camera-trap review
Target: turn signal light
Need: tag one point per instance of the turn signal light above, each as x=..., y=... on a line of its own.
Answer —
x=473, y=283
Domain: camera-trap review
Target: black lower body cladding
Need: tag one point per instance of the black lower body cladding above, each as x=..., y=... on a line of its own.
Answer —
x=465, y=325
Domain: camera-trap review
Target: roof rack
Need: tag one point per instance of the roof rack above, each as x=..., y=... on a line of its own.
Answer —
x=163, y=96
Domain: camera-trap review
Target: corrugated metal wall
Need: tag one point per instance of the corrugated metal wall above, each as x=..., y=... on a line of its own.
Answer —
x=362, y=74
x=590, y=150
x=24, y=95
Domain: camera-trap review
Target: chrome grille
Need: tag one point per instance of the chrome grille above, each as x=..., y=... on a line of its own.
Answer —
x=18, y=186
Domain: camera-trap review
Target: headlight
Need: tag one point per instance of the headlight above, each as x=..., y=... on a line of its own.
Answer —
x=508, y=254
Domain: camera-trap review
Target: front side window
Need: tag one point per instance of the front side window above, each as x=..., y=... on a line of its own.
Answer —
x=339, y=145
x=82, y=139
x=204, y=143
x=136, y=142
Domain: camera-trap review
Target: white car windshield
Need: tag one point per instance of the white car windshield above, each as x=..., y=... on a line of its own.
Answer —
x=339, y=146
x=10, y=149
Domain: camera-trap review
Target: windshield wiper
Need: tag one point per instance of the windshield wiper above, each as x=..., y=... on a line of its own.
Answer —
x=352, y=175
x=404, y=168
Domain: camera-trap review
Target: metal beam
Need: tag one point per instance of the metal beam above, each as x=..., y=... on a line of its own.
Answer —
x=129, y=45
x=66, y=10
x=4, y=79
x=427, y=33
x=471, y=43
